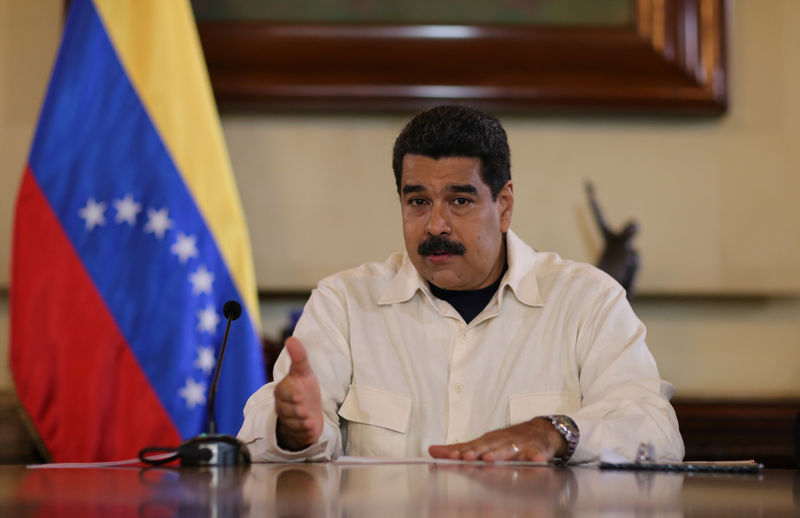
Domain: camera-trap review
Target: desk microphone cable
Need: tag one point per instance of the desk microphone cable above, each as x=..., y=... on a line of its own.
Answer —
x=158, y=455
x=186, y=453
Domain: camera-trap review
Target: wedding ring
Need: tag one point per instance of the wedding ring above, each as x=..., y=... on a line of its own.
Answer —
x=515, y=448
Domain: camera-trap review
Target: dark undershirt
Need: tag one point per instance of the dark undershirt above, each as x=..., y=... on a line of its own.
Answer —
x=469, y=303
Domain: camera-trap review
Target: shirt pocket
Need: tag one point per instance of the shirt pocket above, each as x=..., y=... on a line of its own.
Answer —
x=377, y=422
x=523, y=407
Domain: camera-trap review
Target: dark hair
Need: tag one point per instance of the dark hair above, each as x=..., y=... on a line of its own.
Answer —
x=456, y=131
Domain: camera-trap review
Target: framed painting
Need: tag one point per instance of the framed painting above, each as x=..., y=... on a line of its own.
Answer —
x=651, y=56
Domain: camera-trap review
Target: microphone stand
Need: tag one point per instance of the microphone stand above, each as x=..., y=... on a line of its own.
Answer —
x=211, y=448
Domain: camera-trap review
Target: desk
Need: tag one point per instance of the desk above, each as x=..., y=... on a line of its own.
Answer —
x=386, y=490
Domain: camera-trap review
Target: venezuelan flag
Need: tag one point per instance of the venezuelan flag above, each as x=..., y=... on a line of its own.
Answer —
x=129, y=236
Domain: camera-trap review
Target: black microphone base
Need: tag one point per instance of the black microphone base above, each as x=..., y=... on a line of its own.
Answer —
x=213, y=450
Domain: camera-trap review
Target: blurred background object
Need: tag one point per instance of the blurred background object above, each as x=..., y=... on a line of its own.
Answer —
x=619, y=258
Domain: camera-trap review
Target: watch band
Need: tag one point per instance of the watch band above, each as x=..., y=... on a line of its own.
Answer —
x=569, y=431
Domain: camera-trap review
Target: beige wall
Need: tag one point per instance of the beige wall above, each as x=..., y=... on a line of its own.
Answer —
x=715, y=198
x=29, y=35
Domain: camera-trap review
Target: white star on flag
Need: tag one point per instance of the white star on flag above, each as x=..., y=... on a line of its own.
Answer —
x=205, y=359
x=185, y=247
x=208, y=320
x=93, y=213
x=127, y=210
x=201, y=280
x=158, y=222
x=193, y=392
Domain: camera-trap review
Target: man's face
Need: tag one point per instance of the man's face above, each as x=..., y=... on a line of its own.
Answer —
x=453, y=230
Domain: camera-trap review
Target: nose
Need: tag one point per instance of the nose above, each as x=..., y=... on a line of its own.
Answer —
x=438, y=222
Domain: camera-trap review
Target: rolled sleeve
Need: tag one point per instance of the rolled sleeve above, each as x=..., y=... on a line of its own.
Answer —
x=625, y=402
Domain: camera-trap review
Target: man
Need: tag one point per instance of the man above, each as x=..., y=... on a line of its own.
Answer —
x=470, y=345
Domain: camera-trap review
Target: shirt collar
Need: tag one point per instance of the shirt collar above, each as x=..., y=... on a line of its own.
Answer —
x=520, y=277
x=404, y=284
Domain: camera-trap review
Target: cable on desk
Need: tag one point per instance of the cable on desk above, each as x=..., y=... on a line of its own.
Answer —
x=145, y=455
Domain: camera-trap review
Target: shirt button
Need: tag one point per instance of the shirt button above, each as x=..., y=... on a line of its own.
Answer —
x=458, y=387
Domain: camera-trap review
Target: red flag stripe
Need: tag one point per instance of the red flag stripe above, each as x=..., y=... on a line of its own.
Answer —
x=75, y=343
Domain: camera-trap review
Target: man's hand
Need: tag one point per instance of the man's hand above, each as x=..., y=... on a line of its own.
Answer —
x=535, y=440
x=298, y=402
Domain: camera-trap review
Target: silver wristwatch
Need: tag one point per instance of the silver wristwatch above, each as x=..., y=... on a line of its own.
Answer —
x=569, y=431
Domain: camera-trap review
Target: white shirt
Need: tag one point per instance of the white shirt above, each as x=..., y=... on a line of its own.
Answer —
x=400, y=370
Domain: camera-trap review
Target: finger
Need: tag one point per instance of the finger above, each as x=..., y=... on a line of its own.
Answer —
x=539, y=456
x=479, y=447
x=443, y=452
x=469, y=454
x=508, y=451
x=284, y=409
x=466, y=450
x=300, y=364
x=293, y=436
x=438, y=451
x=288, y=392
x=535, y=454
x=492, y=446
x=461, y=451
x=296, y=425
x=469, y=450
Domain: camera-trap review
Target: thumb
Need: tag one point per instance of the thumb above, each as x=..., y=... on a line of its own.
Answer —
x=300, y=365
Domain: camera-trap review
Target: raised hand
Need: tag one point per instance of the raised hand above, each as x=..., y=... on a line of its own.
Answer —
x=297, y=402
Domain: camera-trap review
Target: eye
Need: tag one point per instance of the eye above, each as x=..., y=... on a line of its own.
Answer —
x=417, y=202
x=462, y=202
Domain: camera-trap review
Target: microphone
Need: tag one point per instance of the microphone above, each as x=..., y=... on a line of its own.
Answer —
x=211, y=448
x=231, y=311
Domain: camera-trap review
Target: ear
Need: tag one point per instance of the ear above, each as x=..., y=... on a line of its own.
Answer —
x=505, y=205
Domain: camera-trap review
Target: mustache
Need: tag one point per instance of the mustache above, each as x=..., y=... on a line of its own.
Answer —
x=442, y=245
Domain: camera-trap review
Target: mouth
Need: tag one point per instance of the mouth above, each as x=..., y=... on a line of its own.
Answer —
x=438, y=257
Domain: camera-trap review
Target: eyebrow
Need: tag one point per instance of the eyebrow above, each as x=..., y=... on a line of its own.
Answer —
x=408, y=189
x=467, y=188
